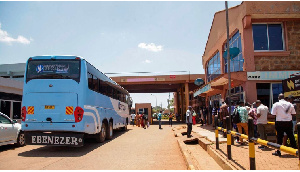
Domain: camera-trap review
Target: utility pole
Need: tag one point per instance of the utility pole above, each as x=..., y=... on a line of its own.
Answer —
x=169, y=102
x=228, y=64
x=155, y=102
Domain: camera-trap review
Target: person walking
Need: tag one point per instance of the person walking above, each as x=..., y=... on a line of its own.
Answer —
x=262, y=121
x=283, y=111
x=137, y=120
x=142, y=120
x=243, y=113
x=214, y=113
x=189, y=121
x=132, y=119
x=194, y=117
x=145, y=118
x=204, y=112
x=223, y=114
x=170, y=119
x=159, y=119
x=253, y=113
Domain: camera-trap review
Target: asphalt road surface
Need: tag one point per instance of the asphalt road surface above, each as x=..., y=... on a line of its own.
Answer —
x=135, y=149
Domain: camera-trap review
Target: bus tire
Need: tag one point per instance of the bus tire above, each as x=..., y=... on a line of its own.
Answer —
x=110, y=131
x=21, y=139
x=100, y=138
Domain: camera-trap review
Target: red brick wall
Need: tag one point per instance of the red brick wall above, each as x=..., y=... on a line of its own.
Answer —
x=290, y=62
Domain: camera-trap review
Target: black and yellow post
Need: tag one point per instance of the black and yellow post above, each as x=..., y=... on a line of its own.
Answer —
x=228, y=137
x=217, y=132
x=251, y=144
x=298, y=138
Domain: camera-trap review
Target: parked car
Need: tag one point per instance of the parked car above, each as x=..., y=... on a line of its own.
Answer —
x=10, y=131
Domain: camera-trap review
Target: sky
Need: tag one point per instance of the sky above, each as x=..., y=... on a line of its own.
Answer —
x=116, y=37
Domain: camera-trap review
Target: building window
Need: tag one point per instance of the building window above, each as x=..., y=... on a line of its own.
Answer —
x=267, y=37
x=213, y=67
x=237, y=94
x=236, y=64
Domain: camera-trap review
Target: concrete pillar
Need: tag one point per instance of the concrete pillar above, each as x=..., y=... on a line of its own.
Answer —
x=175, y=102
x=250, y=91
x=181, y=102
x=187, y=101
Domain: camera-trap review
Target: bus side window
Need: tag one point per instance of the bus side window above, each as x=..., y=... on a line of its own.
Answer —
x=90, y=81
x=95, y=84
x=115, y=94
x=123, y=97
x=109, y=91
x=103, y=88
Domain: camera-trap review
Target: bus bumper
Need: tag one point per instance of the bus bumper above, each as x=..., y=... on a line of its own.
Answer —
x=54, y=138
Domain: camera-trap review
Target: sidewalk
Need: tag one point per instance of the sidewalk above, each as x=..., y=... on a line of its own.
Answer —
x=240, y=154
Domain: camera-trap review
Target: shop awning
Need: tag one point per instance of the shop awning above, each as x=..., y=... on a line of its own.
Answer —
x=218, y=83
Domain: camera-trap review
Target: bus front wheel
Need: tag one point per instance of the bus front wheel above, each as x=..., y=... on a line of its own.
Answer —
x=102, y=135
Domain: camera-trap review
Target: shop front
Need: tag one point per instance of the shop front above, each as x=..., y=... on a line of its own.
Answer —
x=267, y=85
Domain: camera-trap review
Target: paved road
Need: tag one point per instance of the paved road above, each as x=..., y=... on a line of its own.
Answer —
x=136, y=149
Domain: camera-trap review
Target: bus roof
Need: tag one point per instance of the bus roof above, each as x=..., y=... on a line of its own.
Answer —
x=73, y=57
x=55, y=57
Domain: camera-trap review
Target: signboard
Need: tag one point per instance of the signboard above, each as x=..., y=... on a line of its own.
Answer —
x=142, y=79
x=291, y=86
x=270, y=75
x=172, y=76
x=202, y=90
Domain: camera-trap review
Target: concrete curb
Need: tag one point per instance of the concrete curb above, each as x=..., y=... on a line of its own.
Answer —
x=185, y=154
x=221, y=161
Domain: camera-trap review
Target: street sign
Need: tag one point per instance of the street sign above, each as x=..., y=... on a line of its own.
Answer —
x=234, y=51
x=199, y=81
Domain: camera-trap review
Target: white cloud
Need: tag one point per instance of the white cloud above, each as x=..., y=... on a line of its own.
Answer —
x=147, y=61
x=151, y=47
x=4, y=37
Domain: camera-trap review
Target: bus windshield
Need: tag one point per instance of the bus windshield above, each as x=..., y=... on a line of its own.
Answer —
x=53, y=69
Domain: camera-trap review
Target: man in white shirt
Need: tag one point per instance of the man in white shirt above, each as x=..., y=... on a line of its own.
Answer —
x=132, y=119
x=189, y=121
x=283, y=111
x=262, y=121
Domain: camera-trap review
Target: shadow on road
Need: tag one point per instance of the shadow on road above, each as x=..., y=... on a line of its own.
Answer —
x=90, y=144
x=8, y=147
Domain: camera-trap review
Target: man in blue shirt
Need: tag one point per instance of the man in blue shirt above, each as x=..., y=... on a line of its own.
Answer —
x=159, y=119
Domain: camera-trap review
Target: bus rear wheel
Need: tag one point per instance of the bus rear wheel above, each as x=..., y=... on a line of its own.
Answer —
x=110, y=131
x=102, y=135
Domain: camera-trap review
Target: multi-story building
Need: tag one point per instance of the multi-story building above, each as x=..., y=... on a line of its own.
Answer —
x=268, y=37
x=11, y=89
